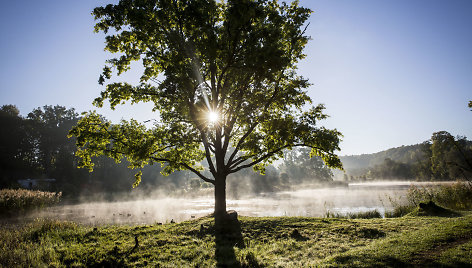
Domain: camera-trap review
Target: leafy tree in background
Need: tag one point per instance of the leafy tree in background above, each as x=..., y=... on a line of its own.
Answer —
x=441, y=145
x=450, y=156
x=54, y=150
x=37, y=146
x=302, y=168
x=422, y=167
x=222, y=77
x=391, y=169
x=17, y=154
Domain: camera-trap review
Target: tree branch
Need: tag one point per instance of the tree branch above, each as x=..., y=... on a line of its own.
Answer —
x=251, y=129
x=186, y=166
x=241, y=159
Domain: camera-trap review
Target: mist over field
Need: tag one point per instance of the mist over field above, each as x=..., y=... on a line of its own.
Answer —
x=297, y=186
x=234, y=133
x=156, y=207
x=149, y=210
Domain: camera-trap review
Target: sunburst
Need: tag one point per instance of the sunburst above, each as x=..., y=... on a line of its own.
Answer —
x=213, y=117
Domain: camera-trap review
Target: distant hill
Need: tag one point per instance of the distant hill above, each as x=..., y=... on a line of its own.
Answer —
x=407, y=154
x=443, y=157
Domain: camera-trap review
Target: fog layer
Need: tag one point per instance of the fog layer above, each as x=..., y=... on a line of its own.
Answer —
x=357, y=197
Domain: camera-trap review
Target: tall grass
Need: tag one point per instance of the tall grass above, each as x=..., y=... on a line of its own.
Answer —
x=456, y=196
x=20, y=200
x=371, y=214
x=33, y=244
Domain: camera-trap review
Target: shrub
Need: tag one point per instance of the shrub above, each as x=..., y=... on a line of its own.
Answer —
x=20, y=200
x=456, y=196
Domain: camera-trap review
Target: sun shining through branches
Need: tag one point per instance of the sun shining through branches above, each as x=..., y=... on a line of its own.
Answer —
x=212, y=117
x=230, y=94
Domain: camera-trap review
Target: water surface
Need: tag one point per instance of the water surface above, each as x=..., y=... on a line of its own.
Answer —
x=357, y=197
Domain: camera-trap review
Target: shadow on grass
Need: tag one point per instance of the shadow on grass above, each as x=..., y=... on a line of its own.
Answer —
x=353, y=261
x=227, y=236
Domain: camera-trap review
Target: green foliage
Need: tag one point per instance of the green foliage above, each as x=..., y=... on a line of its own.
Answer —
x=140, y=146
x=399, y=209
x=20, y=200
x=443, y=157
x=55, y=152
x=371, y=214
x=450, y=157
x=391, y=169
x=235, y=58
x=300, y=166
x=37, y=146
x=455, y=196
x=17, y=154
x=245, y=182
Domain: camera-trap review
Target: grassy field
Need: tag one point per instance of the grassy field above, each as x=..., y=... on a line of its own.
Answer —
x=257, y=242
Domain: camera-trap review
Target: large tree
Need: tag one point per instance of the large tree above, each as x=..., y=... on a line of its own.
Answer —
x=53, y=150
x=222, y=76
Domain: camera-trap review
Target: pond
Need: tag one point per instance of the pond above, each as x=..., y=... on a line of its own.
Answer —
x=356, y=197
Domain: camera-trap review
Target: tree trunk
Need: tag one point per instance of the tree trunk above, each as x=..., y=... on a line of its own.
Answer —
x=220, y=197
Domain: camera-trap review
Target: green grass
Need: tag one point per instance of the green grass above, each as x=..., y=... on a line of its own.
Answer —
x=422, y=247
x=262, y=242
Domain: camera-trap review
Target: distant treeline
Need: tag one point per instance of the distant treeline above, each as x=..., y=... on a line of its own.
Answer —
x=443, y=157
x=36, y=147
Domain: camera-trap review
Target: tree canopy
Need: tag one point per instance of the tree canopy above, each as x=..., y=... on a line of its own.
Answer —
x=300, y=167
x=36, y=146
x=222, y=76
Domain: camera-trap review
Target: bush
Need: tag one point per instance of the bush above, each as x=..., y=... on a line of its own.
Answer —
x=399, y=211
x=20, y=200
x=457, y=196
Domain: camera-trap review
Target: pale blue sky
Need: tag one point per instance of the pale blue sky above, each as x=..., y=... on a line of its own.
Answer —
x=389, y=72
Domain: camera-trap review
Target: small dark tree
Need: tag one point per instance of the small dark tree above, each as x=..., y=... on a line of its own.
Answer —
x=222, y=77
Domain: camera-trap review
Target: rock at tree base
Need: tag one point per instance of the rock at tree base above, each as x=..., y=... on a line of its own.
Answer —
x=232, y=215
